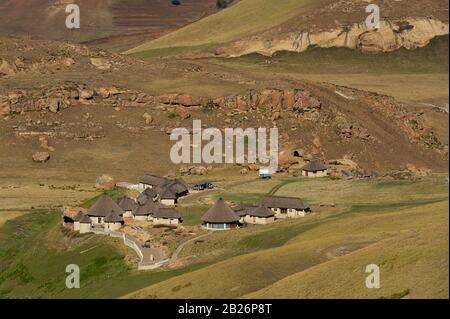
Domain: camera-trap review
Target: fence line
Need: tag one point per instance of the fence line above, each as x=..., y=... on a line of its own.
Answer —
x=142, y=265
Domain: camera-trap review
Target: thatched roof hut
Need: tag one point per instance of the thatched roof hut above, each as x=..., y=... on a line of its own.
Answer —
x=283, y=202
x=262, y=211
x=314, y=166
x=166, y=212
x=220, y=213
x=126, y=203
x=103, y=206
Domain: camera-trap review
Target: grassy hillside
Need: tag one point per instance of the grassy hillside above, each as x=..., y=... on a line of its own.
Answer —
x=431, y=59
x=402, y=226
x=35, y=250
x=411, y=262
x=244, y=18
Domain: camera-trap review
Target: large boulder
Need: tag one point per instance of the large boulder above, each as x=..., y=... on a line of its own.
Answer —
x=189, y=100
x=168, y=99
x=105, y=182
x=147, y=118
x=198, y=170
x=7, y=69
x=41, y=157
x=53, y=103
x=86, y=94
x=106, y=92
x=182, y=112
x=101, y=63
x=5, y=106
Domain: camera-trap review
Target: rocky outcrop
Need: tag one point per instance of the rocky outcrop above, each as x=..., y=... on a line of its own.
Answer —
x=41, y=157
x=6, y=69
x=409, y=33
x=105, y=182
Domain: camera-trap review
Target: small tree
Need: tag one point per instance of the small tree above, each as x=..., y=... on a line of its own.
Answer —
x=221, y=4
x=176, y=2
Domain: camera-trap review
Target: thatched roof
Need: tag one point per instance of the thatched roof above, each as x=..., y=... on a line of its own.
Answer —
x=262, y=211
x=284, y=202
x=243, y=209
x=85, y=219
x=149, y=208
x=182, y=182
x=78, y=217
x=103, y=206
x=113, y=218
x=126, y=203
x=166, y=193
x=314, y=166
x=167, y=213
x=220, y=213
x=147, y=194
x=176, y=187
x=153, y=180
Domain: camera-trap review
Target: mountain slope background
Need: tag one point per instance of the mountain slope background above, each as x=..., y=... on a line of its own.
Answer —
x=266, y=27
x=113, y=24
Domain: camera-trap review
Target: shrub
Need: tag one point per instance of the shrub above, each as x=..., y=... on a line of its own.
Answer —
x=221, y=4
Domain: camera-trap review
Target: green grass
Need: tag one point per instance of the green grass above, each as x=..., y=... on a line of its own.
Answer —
x=397, y=223
x=274, y=237
x=30, y=269
x=114, y=193
x=243, y=18
x=431, y=59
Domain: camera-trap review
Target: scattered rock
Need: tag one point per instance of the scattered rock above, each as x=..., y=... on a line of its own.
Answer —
x=148, y=118
x=101, y=63
x=41, y=157
x=105, y=182
x=86, y=94
x=53, y=103
x=7, y=69
x=188, y=100
x=106, y=92
x=243, y=171
x=5, y=106
x=45, y=144
x=182, y=112
x=67, y=62
x=198, y=170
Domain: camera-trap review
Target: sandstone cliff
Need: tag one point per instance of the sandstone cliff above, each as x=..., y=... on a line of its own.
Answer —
x=409, y=33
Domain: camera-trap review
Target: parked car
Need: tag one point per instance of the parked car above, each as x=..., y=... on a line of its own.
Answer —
x=203, y=185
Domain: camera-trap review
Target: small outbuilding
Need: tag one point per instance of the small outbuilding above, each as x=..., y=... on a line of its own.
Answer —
x=243, y=210
x=167, y=196
x=102, y=207
x=284, y=206
x=128, y=205
x=146, y=211
x=147, y=194
x=76, y=221
x=314, y=168
x=150, y=181
x=220, y=217
x=167, y=216
x=260, y=215
x=85, y=224
x=113, y=221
